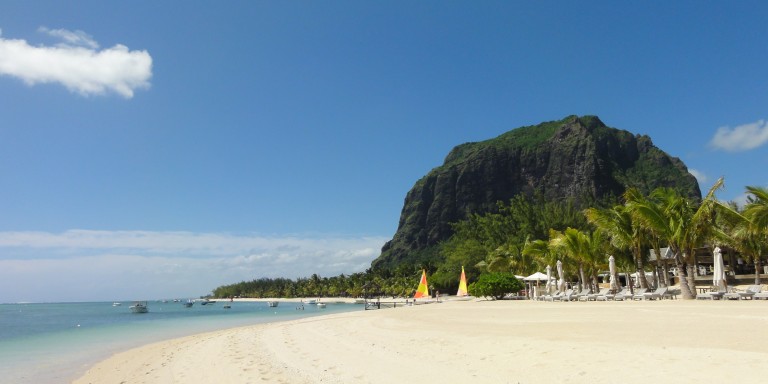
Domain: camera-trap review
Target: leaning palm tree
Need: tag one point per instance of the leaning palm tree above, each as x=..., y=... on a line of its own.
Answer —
x=747, y=228
x=683, y=222
x=572, y=243
x=624, y=231
x=757, y=207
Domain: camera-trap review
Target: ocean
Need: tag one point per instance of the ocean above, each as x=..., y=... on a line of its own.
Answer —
x=56, y=342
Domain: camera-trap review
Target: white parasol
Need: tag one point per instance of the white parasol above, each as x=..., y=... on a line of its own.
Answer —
x=561, y=281
x=612, y=269
x=719, y=276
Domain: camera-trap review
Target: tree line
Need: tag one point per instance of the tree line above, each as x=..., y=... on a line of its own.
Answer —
x=529, y=233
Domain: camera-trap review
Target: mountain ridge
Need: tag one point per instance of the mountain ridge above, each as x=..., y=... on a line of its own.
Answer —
x=577, y=158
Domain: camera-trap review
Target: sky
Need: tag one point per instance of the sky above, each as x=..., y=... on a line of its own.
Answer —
x=159, y=150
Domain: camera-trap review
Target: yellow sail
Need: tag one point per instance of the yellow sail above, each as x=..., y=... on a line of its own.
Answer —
x=422, y=291
x=462, y=284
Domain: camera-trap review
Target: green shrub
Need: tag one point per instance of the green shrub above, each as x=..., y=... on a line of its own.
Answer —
x=495, y=284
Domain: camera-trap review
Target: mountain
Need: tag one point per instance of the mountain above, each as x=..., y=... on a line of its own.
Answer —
x=578, y=157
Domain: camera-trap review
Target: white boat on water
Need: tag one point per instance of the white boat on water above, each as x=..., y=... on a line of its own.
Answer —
x=116, y=304
x=321, y=305
x=273, y=304
x=139, y=307
x=206, y=302
x=189, y=303
x=309, y=301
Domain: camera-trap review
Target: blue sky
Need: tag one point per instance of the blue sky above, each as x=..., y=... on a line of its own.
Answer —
x=160, y=150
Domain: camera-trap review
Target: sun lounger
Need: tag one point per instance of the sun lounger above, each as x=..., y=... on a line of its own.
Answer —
x=627, y=294
x=595, y=296
x=553, y=296
x=582, y=296
x=748, y=294
x=760, y=295
x=713, y=295
x=611, y=296
x=565, y=295
x=639, y=294
x=657, y=294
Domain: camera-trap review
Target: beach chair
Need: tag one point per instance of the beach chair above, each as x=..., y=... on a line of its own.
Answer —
x=639, y=294
x=603, y=295
x=657, y=294
x=612, y=296
x=623, y=295
x=595, y=296
x=553, y=296
x=565, y=294
x=760, y=295
x=748, y=294
x=712, y=295
x=582, y=296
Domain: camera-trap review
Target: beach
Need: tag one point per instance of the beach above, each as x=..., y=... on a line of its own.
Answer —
x=470, y=341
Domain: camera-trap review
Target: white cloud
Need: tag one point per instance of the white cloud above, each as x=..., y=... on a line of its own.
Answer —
x=77, y=64
x=700, y=176
x=123, y=265
x=740, y=138
x=76, y=38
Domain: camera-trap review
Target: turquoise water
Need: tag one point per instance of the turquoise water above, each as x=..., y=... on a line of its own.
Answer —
x=57, y=342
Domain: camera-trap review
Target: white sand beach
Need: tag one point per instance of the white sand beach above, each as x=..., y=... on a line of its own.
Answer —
x=474, y=342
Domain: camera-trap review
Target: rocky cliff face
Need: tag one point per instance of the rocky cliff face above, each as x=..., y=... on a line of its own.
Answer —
x=577, y=157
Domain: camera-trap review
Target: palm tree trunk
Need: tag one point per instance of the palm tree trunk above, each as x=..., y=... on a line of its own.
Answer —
x=686, y=293
x=581, y=276
x=692, y=279
x=758, y=265
x=640, y=269
x=629, y=283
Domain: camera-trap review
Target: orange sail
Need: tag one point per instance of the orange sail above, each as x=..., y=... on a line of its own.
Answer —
x=462, y=284
x=422, y=291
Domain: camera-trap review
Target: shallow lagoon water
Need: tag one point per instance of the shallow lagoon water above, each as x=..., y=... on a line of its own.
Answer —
x=57, y=342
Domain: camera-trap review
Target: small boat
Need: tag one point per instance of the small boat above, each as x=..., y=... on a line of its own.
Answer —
x=227, y=306
x=116, y=304
x=189, y=303
x=321, y=305
x=359, y=301
x=139, y=307
x=206, y=302
x=273, y=304
x=309, y=301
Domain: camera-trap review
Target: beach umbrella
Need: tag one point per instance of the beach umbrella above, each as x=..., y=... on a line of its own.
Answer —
x=549, y=278
x=561, y=282
x=719, y=277
x=612, y=269
x=538, y=276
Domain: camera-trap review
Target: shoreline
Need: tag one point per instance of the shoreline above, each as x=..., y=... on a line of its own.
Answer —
x=475, y=341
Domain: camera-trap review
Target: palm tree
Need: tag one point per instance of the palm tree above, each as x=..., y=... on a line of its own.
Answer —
x=572, y=243
x=757, y=208
x=624, y=231
x=748, y=228
x=684, y=223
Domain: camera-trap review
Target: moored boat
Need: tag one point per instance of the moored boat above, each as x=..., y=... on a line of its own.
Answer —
x=139, y=307
x=273, y=303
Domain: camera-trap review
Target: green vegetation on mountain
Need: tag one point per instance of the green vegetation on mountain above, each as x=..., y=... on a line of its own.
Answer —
x=577, y=159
